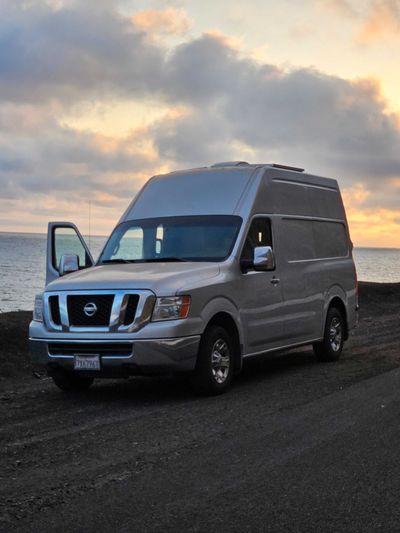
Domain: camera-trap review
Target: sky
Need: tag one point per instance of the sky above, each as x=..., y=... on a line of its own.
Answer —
x=96, y=96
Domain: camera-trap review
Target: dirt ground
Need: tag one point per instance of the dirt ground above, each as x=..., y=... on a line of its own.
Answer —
x=14, y=357
x=295, y=445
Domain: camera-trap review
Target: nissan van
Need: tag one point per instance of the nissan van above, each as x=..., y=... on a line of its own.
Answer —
x=206, y=268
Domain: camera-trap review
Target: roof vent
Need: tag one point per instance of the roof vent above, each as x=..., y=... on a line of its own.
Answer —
x=286, y=167
x=230, y=164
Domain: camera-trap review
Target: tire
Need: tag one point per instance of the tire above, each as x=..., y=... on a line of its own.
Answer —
x=330, y=348
x=215, y=362
x=71, y=382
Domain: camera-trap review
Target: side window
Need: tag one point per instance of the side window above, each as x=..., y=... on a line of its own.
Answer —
x=259, y=235
x=299, y=239
x=330, y=239
x=66, y=241
x=314, y=239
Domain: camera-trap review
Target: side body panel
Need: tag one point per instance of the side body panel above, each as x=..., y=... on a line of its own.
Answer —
x=301, y=288
x=260, y=306
x=308, y=282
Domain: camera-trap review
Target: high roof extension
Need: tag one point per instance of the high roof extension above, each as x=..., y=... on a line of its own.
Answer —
x=245, y=163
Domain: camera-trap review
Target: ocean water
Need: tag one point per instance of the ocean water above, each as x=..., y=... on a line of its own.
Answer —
x=381, y=265
x=23, y=258
x=23, y=268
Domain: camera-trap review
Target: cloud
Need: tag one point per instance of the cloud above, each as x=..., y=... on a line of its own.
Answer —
x=342, y=7
x=335, y=125
x=54, y=57
x=64, y=161
x=72, y=53
x=382, y=21
x=169, y=21
x=375, y=20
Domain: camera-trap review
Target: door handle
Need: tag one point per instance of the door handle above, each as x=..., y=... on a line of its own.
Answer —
x=275, y=281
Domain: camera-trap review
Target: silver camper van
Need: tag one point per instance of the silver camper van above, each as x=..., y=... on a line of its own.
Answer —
x=206, y=268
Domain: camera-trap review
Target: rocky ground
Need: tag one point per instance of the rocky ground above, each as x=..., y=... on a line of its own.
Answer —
x=295, y=446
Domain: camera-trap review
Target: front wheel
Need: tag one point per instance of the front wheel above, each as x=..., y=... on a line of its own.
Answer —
x=214, y=369
x=330, y=348
x=71, y=382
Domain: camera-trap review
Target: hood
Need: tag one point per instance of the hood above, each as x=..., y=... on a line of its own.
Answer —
x=164, y=279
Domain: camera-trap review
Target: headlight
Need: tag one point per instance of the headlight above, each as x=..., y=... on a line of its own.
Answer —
x=171, y=308
x=38, y=308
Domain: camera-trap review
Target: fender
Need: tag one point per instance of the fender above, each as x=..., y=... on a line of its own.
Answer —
x=221, y=304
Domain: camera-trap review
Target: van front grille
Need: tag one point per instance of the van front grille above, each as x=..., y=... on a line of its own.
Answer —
x=118, y=311
x=90, y=310
x=121, y=349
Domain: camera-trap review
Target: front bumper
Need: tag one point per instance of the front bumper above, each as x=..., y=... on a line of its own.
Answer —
x=148, y=356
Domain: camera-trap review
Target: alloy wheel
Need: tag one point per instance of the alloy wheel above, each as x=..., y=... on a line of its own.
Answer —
x=220, y=361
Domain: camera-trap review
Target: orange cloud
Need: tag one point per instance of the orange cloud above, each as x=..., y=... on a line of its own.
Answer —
x=354, y=196
x=226, y=40
x=370, y=226
x=343, y=7
x=383, y=20
x=375, y=227
x=169, y=21
x=376, y=19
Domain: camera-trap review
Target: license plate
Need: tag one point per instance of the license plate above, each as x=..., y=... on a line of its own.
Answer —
x=87, y=362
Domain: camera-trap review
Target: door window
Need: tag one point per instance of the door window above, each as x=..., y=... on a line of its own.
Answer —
x=259, y=235
x=67, y=241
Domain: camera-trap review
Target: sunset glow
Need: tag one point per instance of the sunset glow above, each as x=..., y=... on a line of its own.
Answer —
x=96, y=97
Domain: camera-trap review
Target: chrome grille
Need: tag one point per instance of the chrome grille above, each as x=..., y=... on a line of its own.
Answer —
x=114, y=311
x=76, y=310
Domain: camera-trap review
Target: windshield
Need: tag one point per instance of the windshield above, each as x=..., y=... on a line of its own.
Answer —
x=189, y=238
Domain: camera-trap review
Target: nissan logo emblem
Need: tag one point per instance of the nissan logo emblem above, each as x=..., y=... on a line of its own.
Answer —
x=90, y=309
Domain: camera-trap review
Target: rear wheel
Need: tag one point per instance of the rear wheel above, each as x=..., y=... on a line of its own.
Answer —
x=71, y=382
x=330, y=348
x=214, y=369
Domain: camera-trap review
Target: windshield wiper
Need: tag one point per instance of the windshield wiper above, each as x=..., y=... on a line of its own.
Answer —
x=164, y=259
x=124, y=261
x=152, y=260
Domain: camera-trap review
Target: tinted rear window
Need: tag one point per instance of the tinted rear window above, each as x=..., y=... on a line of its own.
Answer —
x=314, y=239
x=330, y=239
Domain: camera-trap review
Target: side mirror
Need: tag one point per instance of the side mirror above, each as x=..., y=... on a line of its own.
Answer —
x=264, y=258
x=68, y=263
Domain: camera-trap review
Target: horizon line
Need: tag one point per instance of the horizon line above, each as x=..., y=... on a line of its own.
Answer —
x=85, y=235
